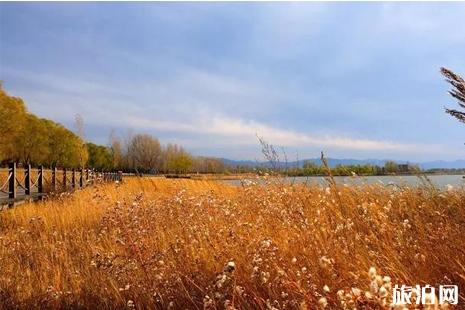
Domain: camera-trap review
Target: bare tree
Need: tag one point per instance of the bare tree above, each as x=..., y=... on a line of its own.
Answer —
x=145, y=152
x=79, y=123
x=82, y=152
x=116, y=147
x=457, y=91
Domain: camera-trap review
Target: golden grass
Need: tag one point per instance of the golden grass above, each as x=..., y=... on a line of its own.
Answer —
x=192, y=244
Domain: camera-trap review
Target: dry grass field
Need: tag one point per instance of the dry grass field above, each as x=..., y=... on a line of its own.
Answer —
x=192, y=244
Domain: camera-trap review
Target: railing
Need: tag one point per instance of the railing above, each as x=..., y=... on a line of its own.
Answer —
x=34, y=184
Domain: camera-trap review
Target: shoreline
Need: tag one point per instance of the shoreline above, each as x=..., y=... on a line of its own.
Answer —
x=249, y=175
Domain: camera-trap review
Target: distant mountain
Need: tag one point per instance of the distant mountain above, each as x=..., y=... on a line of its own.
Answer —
x=460, y=163
x=245, y=163
x=455, y=164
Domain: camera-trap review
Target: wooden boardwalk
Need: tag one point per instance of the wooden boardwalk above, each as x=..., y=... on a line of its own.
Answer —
x=19, y=185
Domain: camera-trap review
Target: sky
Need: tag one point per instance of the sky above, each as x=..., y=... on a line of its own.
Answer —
x=356, y=80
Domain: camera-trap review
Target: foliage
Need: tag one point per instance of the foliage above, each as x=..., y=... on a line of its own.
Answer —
x=310, y=168
x=100, y=157
x=12, y=115
x=31, y=140
x=180, y=163
x=390, y=166
x=176, y=159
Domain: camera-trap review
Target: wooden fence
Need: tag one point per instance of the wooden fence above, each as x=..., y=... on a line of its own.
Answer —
x=34, y=184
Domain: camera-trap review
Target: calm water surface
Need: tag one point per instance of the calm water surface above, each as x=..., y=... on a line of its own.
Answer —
x=438, y=180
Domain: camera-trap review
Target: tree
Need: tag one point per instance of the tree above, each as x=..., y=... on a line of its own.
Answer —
x=12, y=120
x=144, y=153
x=28, y=139
x=64, y=146
x=82, y=150
x=33, y=145
x=203, y=164
x=116, y=149
x=176, y=159
x=180, y=163
x=311, y=168
x=390, y=166
x=100, y=157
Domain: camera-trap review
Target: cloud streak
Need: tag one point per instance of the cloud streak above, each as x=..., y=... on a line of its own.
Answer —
x=194, y=110
x=244, y=132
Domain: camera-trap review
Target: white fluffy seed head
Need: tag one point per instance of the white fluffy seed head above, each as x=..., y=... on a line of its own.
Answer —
x=356, y=292
x=323, y=302
x=372, y=272
x=383, y=292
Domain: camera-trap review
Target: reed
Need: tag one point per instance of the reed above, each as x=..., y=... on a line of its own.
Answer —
x=194, y=244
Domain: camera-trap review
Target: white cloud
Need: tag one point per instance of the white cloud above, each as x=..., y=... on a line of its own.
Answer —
x=243, y=132
x=193, y=103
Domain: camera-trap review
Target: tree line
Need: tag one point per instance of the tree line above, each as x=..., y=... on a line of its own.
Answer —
x=390, y=167
x=28, y=139
x=143, y=153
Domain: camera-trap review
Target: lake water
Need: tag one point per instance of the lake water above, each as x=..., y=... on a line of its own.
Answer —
x=438, y=180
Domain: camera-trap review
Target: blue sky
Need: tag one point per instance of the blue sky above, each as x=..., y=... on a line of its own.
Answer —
x=357, y=80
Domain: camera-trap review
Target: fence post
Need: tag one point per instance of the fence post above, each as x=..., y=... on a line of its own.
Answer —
x=64, y=179
x=73, y=180
x=120, y=176
x=27, y=180
x=81, y=178
x=54, y=179
x=40, y=182
x=12, y=183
